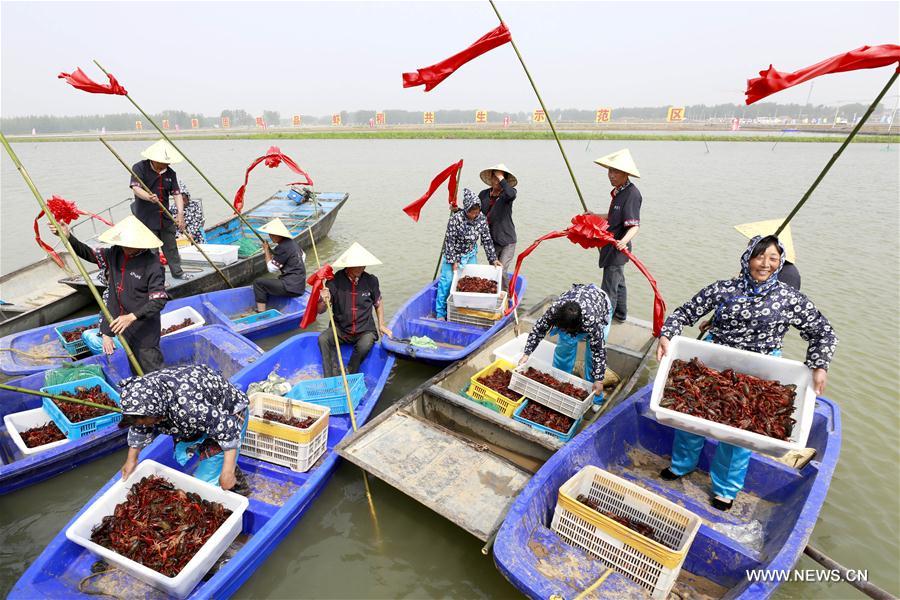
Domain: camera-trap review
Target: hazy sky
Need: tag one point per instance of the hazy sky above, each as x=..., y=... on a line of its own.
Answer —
x=321, y=57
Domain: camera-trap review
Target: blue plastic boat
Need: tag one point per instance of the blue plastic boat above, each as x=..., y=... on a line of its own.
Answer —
x=215, y=346
x=221, y=307
x=767, y=528
x=455, y=340
x=270, y=516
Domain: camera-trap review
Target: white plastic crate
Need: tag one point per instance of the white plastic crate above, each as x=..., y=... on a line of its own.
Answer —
x=549, y=397
x=472, y=299
x=220, y=254
x=182, y=584
x=512, y=350
x=653, y=565
x=180, y=314
x=720, y=358
x=487, y=318
x=297, y=449
x=25, y=420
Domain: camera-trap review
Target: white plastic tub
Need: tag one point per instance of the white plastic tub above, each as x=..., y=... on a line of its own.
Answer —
x=512, y=350
x=549, y=397
x=182, y=584
x=471, y=299
x=220, y=254
x=720, y=358
x=180, y=314
x=25, y=420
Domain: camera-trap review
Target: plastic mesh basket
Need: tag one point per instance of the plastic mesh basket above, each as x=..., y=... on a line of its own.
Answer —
x=564, y=436
x=484, y=394
x=330, y=392
x=652, y=564
x=78, y=346
x=479, y=318
x=542, y=394
x=297, y=449
x=78, y=430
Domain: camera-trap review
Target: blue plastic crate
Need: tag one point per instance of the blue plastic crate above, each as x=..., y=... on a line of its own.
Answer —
x=263, y=316
x=74, y=431
x=296, y=196
x=563, y=436
x=330, y=392
x=78, y=346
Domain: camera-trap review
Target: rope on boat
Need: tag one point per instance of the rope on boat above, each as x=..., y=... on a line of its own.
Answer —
x=84, y=580
x=35, y=355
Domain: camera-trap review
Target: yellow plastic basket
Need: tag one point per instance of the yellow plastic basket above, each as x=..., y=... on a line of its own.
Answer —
x=481, y=392
x=297, y=449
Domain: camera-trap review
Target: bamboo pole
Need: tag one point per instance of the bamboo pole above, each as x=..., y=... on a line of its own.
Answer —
x=58, y=398
x=65, y=240
x=167, y=213
x=869, y=589
x=546, y=112
x=190, y=162
x=840, y=150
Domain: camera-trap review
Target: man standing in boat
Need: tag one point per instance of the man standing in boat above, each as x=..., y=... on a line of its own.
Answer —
x=624, y=222
x=159, y=177
x=497, y=205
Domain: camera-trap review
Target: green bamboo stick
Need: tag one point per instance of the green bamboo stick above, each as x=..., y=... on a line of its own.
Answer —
x=58, y=398
x=65, y=240
x=190, y=162
x=168, y=214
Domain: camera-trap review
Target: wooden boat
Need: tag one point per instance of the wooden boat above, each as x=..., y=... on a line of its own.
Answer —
x=280, y=496
x=767, y=528
x=461, y=459
x=222, y=307
x=455, y=340
x=216, y=346
x=34, y=301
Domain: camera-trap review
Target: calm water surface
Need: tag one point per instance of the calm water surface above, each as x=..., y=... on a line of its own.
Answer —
x=848, y=253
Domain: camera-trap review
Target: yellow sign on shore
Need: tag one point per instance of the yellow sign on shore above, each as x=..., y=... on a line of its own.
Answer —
x=138, y=125
x=226, y=122
x=165, y=123
x=428, y=118
x=260, y=122
x=603, y=115
x=675, y=114
x=296, y=121
x=379, y=118
x=481, y=116
x=195, y=123
x=538, y=116
x=336, y=119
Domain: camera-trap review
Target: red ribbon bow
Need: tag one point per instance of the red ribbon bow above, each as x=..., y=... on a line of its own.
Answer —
x=64, y=212
x=589, y=231
x=273, y=158
x=78, y=80
x=415, y=208
x=316, y=280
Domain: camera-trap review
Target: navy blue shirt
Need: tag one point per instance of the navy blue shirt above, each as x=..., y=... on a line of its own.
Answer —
x=353, y=301
x=624, y=213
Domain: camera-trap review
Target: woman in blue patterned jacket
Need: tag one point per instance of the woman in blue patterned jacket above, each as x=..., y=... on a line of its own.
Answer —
x=753, y=312
x=465, y=228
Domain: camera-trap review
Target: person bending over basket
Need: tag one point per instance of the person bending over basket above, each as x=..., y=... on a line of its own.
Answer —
x=753, y=311
x=353, y=294
x=464, y=229
x=581, y=313
x=286, y=258
x=203, y=412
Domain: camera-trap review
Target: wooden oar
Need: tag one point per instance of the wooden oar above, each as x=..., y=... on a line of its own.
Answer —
x=65, y=240
x=165, y=209
x=58, y=398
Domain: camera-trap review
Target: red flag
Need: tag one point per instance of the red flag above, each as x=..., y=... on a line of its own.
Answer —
x=79, y=80
x=273, y=157
x=866, y=57
x=64, y=212
x=431, y=76
x=316, y=280
x=414, y=209
x=589, y=231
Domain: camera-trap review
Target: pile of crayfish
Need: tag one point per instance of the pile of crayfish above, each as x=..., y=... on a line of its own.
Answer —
x=159, y=525
x=476, y=285
x=173, y=328
x=552, y=382
x=76, y=413
x=641, y=528
x=537, y=413
x=730, y=398
x=304, y=423
x=45, y=434
x=74, y=334
x=499, y=382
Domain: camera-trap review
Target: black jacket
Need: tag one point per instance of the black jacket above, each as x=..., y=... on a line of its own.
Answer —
x=286, y=256
x=499, y=214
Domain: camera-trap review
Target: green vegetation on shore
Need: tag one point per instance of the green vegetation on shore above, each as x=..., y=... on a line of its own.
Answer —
x=470, y=134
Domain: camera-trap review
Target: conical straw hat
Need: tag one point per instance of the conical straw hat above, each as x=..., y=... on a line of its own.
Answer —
x=276, y=227
x=163, y=152
x=487, y=173
x=355, y=256
x=765, y=228
x=130, y=233
x=621, y=160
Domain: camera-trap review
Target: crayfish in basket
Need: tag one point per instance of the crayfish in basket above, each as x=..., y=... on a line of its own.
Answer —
x=730, y=398
x=76, y=413
x=303, y=423
x=44, y=434
x=476, y=285
x=552, y=382
x=499, y=382
x=542, y=415
x=636, y=526
x=74, y=334
x=159, y=525
x=173, y=328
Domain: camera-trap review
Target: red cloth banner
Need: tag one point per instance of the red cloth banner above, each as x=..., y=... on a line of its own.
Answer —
x=589, y=231
x=64, y=212
x=866, y=57
x=79, y=80
x=273, y=158
x=316, y=280
x=415, y=209
x=431, y=76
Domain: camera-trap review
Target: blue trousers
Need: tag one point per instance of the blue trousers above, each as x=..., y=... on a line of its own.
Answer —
x=208, y=469
x=445, y=281
x=567, y=351
x=727, y=469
